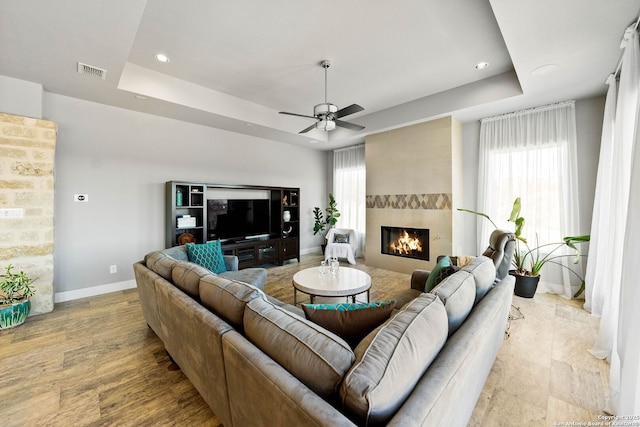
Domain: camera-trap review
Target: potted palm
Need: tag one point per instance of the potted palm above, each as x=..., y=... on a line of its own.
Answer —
x=321, y=222
x=15, y=291
x=528, y=261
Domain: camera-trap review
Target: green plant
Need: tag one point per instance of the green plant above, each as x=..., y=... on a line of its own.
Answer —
x=319, y=224
x=529, y=261
x=15, y=287
x=332, y=214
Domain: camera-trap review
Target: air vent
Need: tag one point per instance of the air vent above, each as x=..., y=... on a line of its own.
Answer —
x=92, y=71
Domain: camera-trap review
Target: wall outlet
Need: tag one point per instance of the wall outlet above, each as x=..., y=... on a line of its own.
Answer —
x=113, y=269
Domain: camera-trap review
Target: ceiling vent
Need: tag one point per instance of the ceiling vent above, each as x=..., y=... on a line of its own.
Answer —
x=92, y=71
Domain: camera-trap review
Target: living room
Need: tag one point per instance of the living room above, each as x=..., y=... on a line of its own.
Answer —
x=119, y=149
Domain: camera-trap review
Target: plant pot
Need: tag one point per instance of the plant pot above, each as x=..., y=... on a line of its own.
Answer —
x=15, y=314
x=526, y=286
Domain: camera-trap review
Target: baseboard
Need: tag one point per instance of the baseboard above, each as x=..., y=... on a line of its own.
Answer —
x=314, y=250
x=94, y=290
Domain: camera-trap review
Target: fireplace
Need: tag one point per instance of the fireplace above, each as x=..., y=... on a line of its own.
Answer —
x=405, y=242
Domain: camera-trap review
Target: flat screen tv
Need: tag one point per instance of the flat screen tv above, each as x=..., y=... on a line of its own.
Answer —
x=238, y=219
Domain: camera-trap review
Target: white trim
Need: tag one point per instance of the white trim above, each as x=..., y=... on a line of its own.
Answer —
x=94, y=290
x=314, y=250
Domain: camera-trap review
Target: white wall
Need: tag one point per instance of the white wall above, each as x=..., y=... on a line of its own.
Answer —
x=589, y=115
x=20, y=97
x=122, y=159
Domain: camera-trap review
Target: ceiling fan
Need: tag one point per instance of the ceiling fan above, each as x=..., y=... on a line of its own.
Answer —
x=327, y=114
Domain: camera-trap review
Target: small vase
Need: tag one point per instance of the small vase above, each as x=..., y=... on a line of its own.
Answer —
x=286, y=215
x=15, y=314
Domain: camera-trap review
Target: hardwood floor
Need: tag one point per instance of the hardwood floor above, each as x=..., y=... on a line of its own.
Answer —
x=94, y=362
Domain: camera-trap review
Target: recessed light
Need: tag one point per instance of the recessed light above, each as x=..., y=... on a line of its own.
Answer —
x=544, y=69
x=249, y=124
x=481, y=65
x=142, y=98
x=161, y=57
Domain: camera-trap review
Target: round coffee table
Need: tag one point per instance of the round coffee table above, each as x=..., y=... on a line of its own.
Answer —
x=347, y=282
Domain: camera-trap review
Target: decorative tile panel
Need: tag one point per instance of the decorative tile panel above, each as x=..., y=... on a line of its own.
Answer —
x=436, y=201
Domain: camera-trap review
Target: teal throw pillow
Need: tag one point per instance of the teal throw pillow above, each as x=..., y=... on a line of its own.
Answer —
x=351, y=322
x=207, y=255
x=442, y=270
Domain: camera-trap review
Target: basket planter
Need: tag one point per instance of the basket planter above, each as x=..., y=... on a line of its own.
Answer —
x=526, y=286
x=12, y=315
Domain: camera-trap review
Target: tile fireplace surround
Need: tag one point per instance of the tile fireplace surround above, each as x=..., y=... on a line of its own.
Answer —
x=414, y=178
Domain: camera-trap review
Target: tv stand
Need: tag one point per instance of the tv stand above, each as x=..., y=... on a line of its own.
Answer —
x=187, y=201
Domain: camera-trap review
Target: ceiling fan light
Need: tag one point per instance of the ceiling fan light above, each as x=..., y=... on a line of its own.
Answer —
x=326, y=108
x=326, y=125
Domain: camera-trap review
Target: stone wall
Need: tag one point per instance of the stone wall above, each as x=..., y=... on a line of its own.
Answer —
x=27, y=150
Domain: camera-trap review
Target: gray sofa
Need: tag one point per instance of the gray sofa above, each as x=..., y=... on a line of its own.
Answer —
x=259, y=362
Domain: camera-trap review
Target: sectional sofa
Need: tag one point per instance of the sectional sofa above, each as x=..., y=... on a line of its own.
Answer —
x=259, y=362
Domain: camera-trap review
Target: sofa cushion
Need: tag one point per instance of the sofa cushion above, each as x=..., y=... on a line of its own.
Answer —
x=484, y=272
x=253, y=276
x=179, y=253
x=186, y=276
x=352, y=322
x=457, y=292
x=160, y=263
x=392, y=358
x=442, y=270
x=226, y=297
x=208, y=255
x=317, y=357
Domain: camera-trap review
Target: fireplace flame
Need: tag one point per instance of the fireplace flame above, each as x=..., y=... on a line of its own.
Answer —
x=406, y=244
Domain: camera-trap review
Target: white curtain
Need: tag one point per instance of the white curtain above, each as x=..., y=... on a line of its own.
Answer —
x=601, y=218
x=349, y=190
x=613, y=282
x=531, y=154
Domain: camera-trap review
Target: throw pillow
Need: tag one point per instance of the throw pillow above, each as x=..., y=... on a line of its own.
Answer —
x=351, y=322
x=340, y=238
x=442, y=270
x=207, y=255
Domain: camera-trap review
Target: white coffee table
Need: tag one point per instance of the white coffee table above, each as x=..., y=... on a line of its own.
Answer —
x=347, y=282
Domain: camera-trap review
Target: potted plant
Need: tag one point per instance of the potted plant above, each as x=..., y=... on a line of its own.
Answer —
x=321, y=222
x=528, y=261
x=15, y=291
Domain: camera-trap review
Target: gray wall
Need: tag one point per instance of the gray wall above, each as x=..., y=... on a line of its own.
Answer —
x=589, y=115
x=122, y=158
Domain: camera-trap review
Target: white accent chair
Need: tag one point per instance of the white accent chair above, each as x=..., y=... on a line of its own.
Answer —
x=341, y=249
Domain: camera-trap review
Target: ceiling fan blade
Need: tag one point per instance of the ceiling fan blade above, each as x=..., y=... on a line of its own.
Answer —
x=351, y=126
x=351, y=109
x=298, y=115
x=305, y=130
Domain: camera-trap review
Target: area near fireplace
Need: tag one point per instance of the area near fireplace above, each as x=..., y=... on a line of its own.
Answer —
x=414, y=179
x=405, y=242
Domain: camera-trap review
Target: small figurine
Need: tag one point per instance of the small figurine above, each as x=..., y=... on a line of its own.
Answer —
x=284, y=201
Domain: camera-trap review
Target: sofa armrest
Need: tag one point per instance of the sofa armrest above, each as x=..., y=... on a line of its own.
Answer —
x=419, y=279
x=231, y=262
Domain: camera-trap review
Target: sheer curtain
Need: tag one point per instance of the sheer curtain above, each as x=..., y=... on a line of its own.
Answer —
x=613, y=283
x=531, y=154
x=600, y=250
x=349, y=190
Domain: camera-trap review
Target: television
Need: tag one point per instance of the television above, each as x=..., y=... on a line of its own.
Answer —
x=238, y=219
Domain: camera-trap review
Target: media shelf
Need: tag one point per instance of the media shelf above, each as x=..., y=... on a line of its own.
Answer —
x=188, y=210
x=185, y=211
